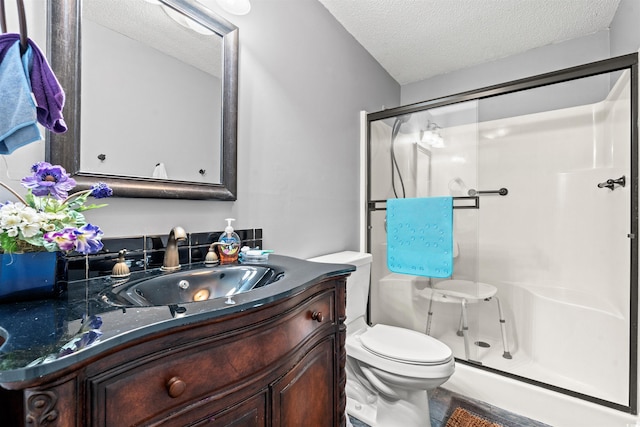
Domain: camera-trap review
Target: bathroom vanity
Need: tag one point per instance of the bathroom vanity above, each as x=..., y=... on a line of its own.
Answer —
x=273, y=356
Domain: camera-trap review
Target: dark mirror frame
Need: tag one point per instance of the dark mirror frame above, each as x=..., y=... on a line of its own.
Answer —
x=64, y=50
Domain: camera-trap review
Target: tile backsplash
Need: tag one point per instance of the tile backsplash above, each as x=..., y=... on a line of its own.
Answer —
x=144, y=252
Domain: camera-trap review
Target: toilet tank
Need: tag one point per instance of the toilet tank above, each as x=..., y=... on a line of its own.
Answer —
x=357, y=282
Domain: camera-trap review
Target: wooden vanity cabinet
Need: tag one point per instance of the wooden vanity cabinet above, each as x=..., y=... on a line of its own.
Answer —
x=281, y=364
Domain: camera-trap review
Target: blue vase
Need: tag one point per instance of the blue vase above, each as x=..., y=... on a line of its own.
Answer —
x=31, y=275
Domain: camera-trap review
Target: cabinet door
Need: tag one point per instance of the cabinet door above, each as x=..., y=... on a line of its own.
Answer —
x=305, y=396
x=250, y=413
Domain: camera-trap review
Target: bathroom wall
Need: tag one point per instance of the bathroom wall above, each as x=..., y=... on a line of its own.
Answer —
x=624, y=31
x=303, y=81
x=622, y=37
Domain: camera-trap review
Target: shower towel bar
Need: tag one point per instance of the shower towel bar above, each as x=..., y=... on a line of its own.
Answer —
x=501, y=192
x=373, y=204
x=461, y=200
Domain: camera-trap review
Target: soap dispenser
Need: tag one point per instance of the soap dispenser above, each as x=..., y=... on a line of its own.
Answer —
x=229, y=244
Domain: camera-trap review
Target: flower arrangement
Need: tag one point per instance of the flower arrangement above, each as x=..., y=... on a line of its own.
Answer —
x=48, y=218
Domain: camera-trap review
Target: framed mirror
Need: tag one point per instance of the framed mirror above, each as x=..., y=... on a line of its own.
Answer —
x=177, y=139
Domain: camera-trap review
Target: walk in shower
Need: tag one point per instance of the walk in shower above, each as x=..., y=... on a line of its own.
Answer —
x=544, y=175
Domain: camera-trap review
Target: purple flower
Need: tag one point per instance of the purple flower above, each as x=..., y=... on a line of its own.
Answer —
x=101, y=190
x=88, y=239
x=89, y=338
x=65, y=238
x=91, y=322
x=49, y=180
x=88, y=335
x=84, y=340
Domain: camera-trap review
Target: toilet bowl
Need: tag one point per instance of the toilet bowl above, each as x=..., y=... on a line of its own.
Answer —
x=389, y=369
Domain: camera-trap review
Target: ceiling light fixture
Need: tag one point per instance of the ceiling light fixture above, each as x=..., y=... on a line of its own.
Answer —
x=186, y=22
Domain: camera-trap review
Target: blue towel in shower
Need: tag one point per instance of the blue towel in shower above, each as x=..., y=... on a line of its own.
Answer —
x=420, y=236
x=18, y=115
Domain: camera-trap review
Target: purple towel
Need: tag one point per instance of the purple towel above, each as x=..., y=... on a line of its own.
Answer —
x=46, y=90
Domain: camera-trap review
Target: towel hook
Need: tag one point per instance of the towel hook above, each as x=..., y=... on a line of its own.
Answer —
x=3, y=20
x=23, y=26
x=22, y=22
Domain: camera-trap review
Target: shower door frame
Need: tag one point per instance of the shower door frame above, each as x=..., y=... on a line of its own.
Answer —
x=620, y=63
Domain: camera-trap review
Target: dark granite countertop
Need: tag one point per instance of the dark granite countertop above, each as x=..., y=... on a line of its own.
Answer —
x=44, y=336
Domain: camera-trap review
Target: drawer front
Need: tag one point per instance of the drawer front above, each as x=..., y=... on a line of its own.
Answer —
x=164, y=383
x=250, y=413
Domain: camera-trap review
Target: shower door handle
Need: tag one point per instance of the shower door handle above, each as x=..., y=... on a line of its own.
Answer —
x=611, y=183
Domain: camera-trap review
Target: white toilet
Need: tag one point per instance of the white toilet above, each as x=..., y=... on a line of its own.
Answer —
x=389, y=369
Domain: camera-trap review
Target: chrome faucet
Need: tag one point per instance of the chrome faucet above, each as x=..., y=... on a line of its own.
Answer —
x=171, y=260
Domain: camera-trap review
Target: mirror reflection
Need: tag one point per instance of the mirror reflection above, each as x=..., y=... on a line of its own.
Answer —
x=155, y=112
x=169, y=71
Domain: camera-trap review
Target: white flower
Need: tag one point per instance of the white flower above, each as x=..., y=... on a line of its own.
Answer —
x=30, y=215
x=10, y=221
x=13, y=208
x=16, y=218
x=53, y=216
x=48, y=226
x=30, y=230
x=7, y=209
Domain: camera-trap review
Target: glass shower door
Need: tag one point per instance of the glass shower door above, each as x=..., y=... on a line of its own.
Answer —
x=428, y=153
x=544, y=181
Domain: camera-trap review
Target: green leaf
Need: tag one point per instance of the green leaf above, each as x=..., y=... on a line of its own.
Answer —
x=36, y=240
x=50, y=246
x=77, y=219
x=7, y=243
x=93, y=206
x=30, y=199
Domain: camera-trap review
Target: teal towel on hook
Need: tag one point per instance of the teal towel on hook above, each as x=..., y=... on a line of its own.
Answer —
x=420, y=236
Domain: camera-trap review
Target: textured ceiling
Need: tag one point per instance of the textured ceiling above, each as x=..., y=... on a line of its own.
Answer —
x=417, y=39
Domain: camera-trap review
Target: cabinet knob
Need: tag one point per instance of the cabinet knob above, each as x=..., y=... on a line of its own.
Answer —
x=175, y=387
x=317, y=315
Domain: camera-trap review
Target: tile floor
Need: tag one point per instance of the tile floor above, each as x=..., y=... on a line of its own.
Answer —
x=443, y=402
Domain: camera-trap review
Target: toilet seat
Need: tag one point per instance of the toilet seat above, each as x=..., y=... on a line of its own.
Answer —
x=404, y=346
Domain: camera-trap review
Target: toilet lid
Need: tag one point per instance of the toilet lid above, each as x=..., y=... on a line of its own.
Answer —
x=404, y=345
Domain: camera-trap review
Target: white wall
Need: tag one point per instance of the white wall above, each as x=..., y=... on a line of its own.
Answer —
x=303, y=80
x=623, y=37
x=533, y=62
x=625, y=31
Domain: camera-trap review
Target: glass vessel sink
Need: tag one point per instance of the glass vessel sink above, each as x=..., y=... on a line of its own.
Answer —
x=191, y=285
